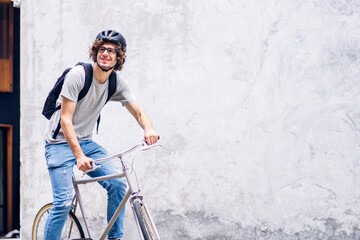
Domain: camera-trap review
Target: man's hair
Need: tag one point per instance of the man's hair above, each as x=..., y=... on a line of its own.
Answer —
x=120, y=55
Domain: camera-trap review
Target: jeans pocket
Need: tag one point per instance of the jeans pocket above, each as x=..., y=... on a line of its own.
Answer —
x=57, y=154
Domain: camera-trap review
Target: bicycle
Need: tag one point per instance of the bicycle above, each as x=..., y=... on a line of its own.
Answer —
x=74, y=230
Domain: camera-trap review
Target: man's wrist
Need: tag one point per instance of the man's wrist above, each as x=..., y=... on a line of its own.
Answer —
x=148, y=128
x=79, y=156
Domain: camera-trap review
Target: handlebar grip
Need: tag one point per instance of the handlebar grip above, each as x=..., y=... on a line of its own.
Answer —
x=146, y=141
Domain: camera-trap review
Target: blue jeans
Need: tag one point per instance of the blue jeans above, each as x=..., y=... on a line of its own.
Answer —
x=60, y=161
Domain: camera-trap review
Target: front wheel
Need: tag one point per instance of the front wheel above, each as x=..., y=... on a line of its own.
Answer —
x=72, y=228
x=145, y=223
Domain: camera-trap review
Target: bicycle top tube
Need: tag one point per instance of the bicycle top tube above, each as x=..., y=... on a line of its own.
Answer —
x=142, y=144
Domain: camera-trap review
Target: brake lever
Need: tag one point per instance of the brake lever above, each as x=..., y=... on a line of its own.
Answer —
x=94, y=168
x=147, y=147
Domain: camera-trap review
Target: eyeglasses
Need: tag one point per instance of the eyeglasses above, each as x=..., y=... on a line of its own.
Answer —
x=110, y=51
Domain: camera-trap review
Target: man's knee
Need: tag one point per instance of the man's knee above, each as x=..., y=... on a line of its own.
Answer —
x=64, y=203
x=63, y=208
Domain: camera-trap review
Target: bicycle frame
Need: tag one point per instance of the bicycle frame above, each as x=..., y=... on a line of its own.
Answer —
x=130, y=194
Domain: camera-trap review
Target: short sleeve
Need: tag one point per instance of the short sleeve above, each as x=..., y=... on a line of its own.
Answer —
x=73, y=83
x=123, y=92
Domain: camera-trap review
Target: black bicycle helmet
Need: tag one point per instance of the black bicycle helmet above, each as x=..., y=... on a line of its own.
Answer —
x=112, y=36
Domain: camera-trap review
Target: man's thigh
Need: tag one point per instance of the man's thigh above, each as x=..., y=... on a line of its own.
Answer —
x=59, y=155
x=61, y=182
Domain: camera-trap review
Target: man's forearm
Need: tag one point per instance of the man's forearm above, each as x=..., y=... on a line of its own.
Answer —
x=144, y=121
x=150, y=135
x=70, y=136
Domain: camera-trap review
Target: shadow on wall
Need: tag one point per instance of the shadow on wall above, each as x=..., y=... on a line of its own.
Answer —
x=197, y=225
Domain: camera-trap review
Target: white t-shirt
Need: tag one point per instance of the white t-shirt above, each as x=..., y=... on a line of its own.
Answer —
x=87, y=109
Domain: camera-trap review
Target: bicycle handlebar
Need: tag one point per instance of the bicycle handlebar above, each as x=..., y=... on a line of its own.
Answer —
x=142, y=144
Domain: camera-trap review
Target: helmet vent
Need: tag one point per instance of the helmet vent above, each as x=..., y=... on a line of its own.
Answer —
x=113, y=36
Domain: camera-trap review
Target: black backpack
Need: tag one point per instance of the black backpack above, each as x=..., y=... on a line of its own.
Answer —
x=50, y=103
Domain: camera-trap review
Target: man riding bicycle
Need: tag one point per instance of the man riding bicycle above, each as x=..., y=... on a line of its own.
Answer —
x=73, y=142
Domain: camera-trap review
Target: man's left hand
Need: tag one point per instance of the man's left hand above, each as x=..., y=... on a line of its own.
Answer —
x=151, y=136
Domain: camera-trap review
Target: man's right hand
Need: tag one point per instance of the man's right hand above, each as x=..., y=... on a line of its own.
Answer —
x=84, y=163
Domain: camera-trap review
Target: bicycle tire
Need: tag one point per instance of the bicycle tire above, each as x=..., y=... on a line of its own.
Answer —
x=71, y=222
x=148, y=232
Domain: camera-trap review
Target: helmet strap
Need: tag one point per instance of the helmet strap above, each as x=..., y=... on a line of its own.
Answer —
x=105, y=70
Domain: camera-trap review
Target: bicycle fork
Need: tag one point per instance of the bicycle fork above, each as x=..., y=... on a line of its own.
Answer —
x=148, y=221
x=136, y=197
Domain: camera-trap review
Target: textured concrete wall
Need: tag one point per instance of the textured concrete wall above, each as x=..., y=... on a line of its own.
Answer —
x=257, y=103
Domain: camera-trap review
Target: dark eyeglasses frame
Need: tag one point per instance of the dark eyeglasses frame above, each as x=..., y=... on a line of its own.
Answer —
x=111, y=51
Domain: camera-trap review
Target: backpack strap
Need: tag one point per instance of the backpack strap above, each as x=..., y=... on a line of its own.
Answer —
x=112, y=86
x=88, y=79
x=111, y=91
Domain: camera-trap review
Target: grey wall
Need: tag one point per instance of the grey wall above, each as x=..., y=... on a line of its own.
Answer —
x=257, y=103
